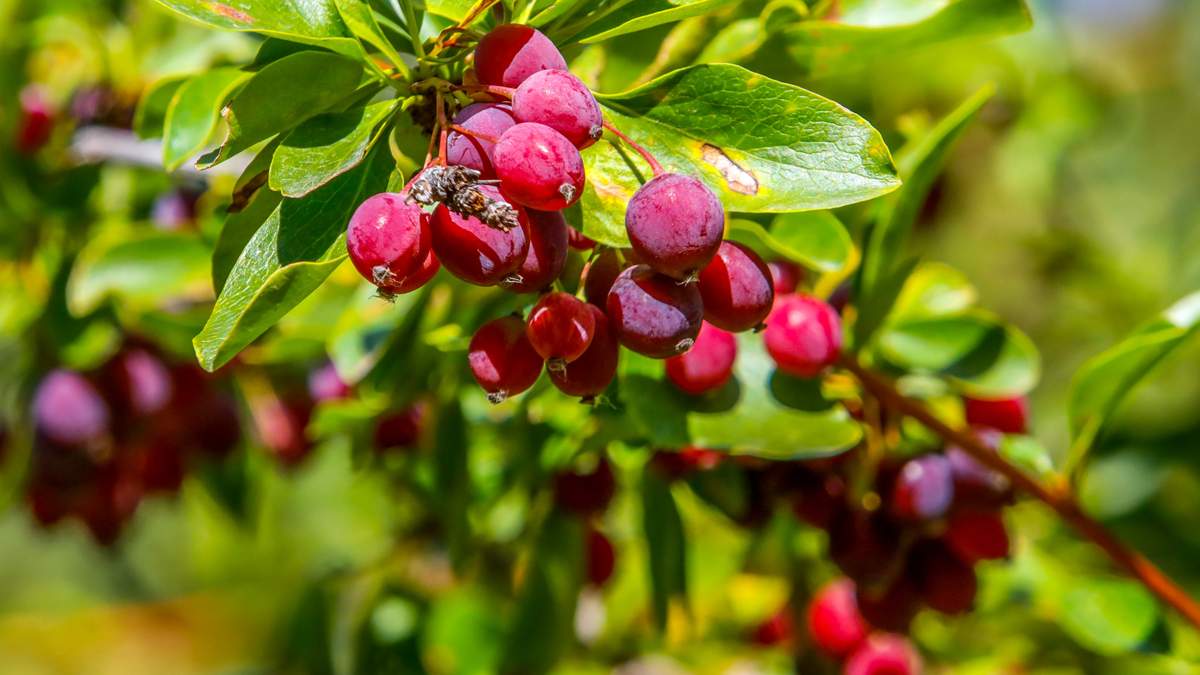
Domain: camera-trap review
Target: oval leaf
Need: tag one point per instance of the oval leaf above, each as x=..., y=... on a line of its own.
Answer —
x=311, y=21
x=1110, y=616
x=815, y=239
x=666, y=544
x=325, y=147
x=191, y=118
x=643, y=14
x=142, y=271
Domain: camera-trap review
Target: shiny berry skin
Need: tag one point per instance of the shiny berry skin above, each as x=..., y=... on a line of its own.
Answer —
x=67, y=409
x=509, y=54
x=599, y=275
x=418, y=277
x=923, y=489
x=588, y=493
x=547, y=234
x=487, y=119
x=36, y=125
x=834, y=623
x=1010, y=415
x=653, y=314
x=708, y=365
x=562, y=102
x=601, y=558
x=502, y=360
x=785, y=276
x=775, y=629
x=977, y=536
x=945, y=582
x=803, y=336
x=884, y=655
x=579, y=241
x=560, y=328
x=736, y=288
x=675, y=224
x=387, y=239
x=538, y=167
x=589, y=375
x=399, y=430
x=473, y=250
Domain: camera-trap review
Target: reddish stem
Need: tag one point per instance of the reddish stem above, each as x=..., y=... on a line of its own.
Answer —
x=505, y=93
x=473, y=134
x=443, y=129
x=654, y=165
x=1058, y=498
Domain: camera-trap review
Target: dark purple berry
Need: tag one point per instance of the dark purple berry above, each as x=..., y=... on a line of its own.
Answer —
x=653, y=314
x=946, y=583
x=675, y=224
x=923, y=489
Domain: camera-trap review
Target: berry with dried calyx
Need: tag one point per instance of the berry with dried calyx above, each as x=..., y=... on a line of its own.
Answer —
x=562, y=102
x=803, y=336
x=547, y=256
x=708, y=365
x=675, y=224
x=489, y=121
x=538, y=167
x=502, y=360
x=474, y=251
x=560, y=328
x=736, y=288
x=653, y=314
x=590, y=374
x=458, y=189
x=387, y=240
x=509, y=54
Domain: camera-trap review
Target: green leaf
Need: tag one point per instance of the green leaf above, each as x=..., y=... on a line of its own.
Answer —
x=934, y=289
x=544, y=626
x=360, y=19
x=982, y=355
x=1104, y=381
x=298, y=246
x=192, y=118
x=309, y=21
x=823, y=48
x=612, y=179
x=455, y=10
x=326, y=147
x=707, y=121
x=142, y=271
x=666, y=544
x=760, y=412
x=284, y=94
x=1110, y=616
x=151, y=116
x=643, y=14
x=735, y=42
x=815, y=239
x=1116, y=485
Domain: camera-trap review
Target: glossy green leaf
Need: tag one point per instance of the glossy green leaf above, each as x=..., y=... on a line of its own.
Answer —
x=282, y=95
x=326, y=147
x=455, y=10
x=984, y=356
x=643, y=14
x=289, y=256
x=934, y=289
x=823, y=48
x=666, y=543
x=191, y=118
x=760, y=412
x=151, y=116
x=140, y=271
x=815, y=239
x=310, y=21
x=360, y=19
x=735, y=42
x=1110, y=616
x=252, y=207
x=612, y=179
x=707, y=121
x=1104, y=381
x=543, y=628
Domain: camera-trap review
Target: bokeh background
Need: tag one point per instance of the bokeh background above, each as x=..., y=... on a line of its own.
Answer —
x=1072, y=205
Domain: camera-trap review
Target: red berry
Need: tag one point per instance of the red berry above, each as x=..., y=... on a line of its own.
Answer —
x=137, y=383
x=562, y=102
x=976, y=486
x=736, y=288
x=891, y=608
x=282, y=429
x=863, y=545
x=945, y=582
x=473, y=250
x=509, y=54
x=804, y=335
x=675, y=224
x=785, y=276
x=589, y=375
x=1010, y=415
x=399, y=430
x=488, y=119
x=37, y=121
x=884, y=655
x=387, y=239
x=547, y=254
x=502, y=360
x=560, y=328
x=834, y=623
x=418, y=277
x=708, y=365
x=977, y=536
x=68, y=409
x=923, y=489
x=775, y=630
x=585, y=494
x=578, y=240
x=601, y=558
x=653, y=314
x=674, y=465
x=599, y=275
x=158, y=465
x=325, y=384
x=538, y=167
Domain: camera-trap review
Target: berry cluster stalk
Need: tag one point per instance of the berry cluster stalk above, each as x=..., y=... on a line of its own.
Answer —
x=654, y=165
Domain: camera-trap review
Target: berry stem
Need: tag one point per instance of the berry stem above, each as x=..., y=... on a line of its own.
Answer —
x=443, y=128
x=505, y=93
x=473, y=134
x=654, y=165
x=1059, y=498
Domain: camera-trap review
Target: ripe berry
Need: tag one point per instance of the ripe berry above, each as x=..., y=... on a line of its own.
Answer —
x=776, y=629
x=399, y=430
x=585, y=494
x=708, y=365
x=387, y=239
x=578, y=240
x=923, y=489
x=1010, y=415
x=37, y=121
x=884, y=655
x=976, y=486
x=674, y=465
x=589, y=375
x=946, y=583
x=562, y=102
x=834, y=622
x=675, y=224
x=502, y=360
x=560, y=328
x=137, y=383
x=509, y=54
x=282, y=429
x=418, y=277
x=67, y=409
x=736, y=288
x=654, y=315
x=601, y=558
x=173, y=211
x=891, y=608
x=977, y=536
x=785, y=276
x=325, y=384
x=489, y=120
x=538, y=167
x=804, y=335
x=473, y=250
x=547, y=254
x=599, y=275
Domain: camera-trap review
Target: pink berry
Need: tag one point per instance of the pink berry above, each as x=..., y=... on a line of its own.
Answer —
x=804, y=335
x=599, y=275
x=834, y=622
x=325, y=384
x=509, y=54
x=884, y=655
x=924, y=488
x=473, y=250
x=708, y=365
x=562, y=102
x=68, y=409
x=560, y=328
x=653, y=314
x=547, y=254
x=538, y=167
x=1010, y=415
x=136, y=382
x=675, y=224
x=502, y=360
x=977, y=536
x=785, y=276
x=736, y=288
x=487, y=119
x=589, y=375
x=387, y=239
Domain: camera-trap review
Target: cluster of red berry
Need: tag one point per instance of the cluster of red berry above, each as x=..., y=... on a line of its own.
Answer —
x=838, y=630
x=506, y=170
x=587, y=495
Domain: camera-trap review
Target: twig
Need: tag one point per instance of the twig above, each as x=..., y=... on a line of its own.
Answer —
x=654, y=165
